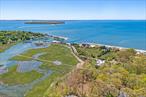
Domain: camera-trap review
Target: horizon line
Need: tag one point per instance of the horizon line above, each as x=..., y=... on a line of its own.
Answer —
x=70, y=19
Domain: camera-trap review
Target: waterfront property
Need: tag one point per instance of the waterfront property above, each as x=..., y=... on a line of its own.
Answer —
x=99, y=62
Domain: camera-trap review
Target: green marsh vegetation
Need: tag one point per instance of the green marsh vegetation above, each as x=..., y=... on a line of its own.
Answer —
x=54, y=52
x=12, y=77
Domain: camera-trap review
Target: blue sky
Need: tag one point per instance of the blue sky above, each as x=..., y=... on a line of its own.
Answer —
x=73, y=9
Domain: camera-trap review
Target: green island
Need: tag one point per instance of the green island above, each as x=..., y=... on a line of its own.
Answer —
x=79, y=70
x=45, y=22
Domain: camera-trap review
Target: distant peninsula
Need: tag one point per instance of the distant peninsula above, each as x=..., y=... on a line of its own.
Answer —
x=44, y=22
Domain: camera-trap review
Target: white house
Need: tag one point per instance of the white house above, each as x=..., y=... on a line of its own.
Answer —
x=99, y=62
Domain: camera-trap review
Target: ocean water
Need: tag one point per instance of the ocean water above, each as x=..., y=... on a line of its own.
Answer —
x=124, y=33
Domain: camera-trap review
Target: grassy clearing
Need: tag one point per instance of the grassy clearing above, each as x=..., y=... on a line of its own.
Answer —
x=12, y=77
x=54, y=52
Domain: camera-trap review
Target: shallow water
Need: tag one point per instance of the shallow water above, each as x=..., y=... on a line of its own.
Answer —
x=16, y=50
x=27, y=66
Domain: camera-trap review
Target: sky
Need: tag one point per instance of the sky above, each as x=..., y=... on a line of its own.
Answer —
x=73, y=9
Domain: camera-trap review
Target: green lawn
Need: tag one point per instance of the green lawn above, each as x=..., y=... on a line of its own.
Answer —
x=54, y=52
x=12, y=77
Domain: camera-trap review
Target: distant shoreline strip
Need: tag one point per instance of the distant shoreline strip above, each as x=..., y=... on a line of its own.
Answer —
x=110, y=46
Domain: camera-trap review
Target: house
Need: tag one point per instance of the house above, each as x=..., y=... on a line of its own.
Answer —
x=99, y=62
x=86, y=45
x=56, y=42
x=92, y=45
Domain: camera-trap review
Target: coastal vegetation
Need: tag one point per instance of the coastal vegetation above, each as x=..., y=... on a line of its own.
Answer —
x=122, y=75
x=9, y=38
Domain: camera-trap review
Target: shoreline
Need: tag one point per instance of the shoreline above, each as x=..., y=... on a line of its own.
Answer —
x=97, y=44
x=110, y=46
